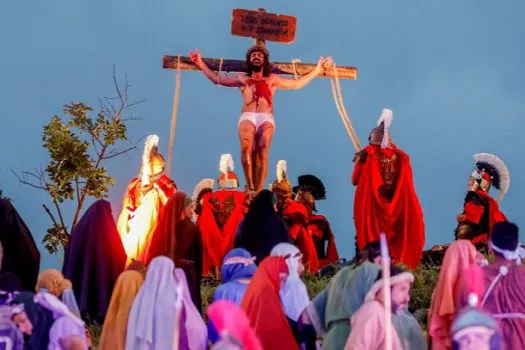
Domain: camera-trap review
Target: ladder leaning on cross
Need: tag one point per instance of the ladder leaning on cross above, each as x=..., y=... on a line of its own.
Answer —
x=262, y=26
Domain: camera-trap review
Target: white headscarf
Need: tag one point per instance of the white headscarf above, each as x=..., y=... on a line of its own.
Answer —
x=294, y=295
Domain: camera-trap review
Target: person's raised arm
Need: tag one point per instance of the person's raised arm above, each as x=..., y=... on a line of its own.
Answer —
x=228, y=81
x=291, y=84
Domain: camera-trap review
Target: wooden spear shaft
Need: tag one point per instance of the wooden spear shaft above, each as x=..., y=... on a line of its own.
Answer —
x=229, y=65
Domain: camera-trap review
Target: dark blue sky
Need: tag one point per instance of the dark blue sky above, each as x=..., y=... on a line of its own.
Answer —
x=452, y=72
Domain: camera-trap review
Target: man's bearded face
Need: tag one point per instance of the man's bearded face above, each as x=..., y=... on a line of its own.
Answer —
x=257, y=61
x=400, y=294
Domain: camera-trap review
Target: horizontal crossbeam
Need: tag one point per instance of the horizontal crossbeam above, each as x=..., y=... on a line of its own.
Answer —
x=239, y=66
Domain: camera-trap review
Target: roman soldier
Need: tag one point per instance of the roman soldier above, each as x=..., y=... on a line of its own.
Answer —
x=144, y=200
x=296, y=216
x=481, y=211
x=385, y=198
x=203, y=187
x=222, y=211
x=309, y=189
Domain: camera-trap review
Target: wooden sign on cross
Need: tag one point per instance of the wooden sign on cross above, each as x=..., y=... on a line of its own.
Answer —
x=261, y=26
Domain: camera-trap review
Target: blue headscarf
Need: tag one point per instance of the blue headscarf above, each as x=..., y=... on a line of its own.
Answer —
x=237, y=264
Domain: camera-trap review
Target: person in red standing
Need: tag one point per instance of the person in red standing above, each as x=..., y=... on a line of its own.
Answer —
x=262, y=305
x=144, y=200
x=480, y=211
x=310, y=189
x=256, y=124
x=385, y=199
x=221, y=213
x=296, y=217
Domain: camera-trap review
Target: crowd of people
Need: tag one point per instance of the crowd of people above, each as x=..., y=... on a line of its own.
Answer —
x=261, y=302
x=140, y=276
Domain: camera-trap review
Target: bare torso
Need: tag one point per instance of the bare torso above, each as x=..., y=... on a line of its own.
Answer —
x=257, y=93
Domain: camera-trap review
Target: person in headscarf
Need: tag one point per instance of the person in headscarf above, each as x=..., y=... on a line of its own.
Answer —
x=331, y=310
x=20, y=253
x=294, y=295
x=236, y=272
x=113, y=335
x=53, y=281
x=262, y=305
x=10, y=286
x=233, y=327
x=446, y=298
x=94, y=259
x=152, y=320
x=472, y=327
x=368, y=323
x=262, y=228
x=10, y=336
x=505, y=282
x=179, y=238
x=47, y=323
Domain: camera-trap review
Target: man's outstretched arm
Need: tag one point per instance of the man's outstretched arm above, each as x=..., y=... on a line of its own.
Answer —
x=228, y=81
x=291, y=84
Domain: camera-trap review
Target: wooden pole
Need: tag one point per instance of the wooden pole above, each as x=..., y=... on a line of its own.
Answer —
x=385, y=257
x=239, y=66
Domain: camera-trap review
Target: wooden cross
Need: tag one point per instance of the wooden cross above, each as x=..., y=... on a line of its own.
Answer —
x=261, y=26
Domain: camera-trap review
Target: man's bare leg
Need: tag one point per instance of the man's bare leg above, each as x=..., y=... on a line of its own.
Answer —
x=246, y=138
x=262, y=148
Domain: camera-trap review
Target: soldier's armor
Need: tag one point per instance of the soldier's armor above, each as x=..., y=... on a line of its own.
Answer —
x=469, y=230
x=222, y=210
x=389, y=168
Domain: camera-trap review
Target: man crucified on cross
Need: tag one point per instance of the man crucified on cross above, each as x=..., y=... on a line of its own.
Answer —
x=256, y=124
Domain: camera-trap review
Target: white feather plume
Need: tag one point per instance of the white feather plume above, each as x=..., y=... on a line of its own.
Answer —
x=151, y=141
x=226, y=163
x=202, y=185
x=386, y=117
x=281, y=170
x=500, y=167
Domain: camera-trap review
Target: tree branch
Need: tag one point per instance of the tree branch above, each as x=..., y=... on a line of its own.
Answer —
x=25, y=182
x=114, y=154
x=50, y=215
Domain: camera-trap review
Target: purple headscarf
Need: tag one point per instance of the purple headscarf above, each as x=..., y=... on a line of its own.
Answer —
x=94, y=259
x=151, y=322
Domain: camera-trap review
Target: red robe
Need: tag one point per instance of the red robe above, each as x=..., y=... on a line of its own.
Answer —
x=217, y=241
x=320, y=230
x=474, y=211
x=401, y=219
x=296, y=216
x=132, y=200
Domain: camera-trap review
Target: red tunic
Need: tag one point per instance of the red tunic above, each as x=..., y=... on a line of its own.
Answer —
x=222, y=212
x=296, y=216
x=400, y=218
x=474, y=212
x=321, y=232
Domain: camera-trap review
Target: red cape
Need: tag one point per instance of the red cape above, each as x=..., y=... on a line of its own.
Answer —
x=317, y=223
x=401, y=219
x=473, y=213
x=216, y=242
x=297, y=217
x=262, y=305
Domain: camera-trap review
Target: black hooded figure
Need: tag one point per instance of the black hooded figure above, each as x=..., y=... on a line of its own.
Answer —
x=94, y=259
x=262, y=227
x=21, y=255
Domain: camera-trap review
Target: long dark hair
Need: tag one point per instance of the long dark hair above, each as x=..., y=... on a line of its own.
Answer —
x=267, y=67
